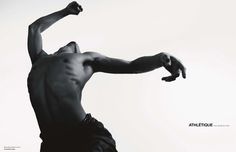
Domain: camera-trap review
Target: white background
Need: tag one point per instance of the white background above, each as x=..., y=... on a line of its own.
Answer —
x=142, y=112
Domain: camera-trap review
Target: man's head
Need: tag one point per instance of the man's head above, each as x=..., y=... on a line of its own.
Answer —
x=71, y=47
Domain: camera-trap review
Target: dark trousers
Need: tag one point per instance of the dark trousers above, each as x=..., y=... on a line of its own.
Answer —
x=89, y=136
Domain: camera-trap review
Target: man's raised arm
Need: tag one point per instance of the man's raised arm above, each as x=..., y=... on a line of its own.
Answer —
x=41, y=24
x=102, y=63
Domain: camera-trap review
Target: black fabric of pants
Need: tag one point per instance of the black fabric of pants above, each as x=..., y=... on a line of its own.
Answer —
x=89, y=136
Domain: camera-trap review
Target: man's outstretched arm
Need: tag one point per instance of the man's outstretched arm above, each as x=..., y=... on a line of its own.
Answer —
x=102, y=63
x=41, y=24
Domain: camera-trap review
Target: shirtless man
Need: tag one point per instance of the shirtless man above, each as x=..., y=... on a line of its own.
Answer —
x=55, y=83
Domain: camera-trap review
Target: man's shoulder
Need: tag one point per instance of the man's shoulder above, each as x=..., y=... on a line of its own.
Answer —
x=90, y=53
x=93, y=54
x=81, y=57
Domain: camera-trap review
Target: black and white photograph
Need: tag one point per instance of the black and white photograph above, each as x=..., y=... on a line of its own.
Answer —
x=118, y=76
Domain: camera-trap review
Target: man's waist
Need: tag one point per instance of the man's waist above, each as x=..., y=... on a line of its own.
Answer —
x=88, y=126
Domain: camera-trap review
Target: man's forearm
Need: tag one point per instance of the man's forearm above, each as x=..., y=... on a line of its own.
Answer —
x=43, y=23
x=147, y=63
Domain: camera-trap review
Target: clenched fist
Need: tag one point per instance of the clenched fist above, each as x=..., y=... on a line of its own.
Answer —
x=74, y=8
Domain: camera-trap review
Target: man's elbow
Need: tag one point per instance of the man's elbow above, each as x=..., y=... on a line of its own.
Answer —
x=34, y=27
x=133, y=68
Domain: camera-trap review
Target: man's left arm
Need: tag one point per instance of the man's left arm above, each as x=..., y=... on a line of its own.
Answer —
x=105, y=64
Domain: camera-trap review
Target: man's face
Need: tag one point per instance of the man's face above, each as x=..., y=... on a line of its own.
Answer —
x=71, y=47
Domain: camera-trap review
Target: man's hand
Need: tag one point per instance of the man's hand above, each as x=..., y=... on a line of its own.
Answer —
x=74, y=8
x=174, y=66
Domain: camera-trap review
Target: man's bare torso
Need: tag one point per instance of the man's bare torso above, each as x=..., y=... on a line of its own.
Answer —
x=55, y=84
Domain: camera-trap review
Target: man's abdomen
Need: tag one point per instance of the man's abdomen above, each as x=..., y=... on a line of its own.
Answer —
x=55, y=98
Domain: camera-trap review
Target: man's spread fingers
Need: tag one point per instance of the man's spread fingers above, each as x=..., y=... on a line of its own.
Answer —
x=176, y=75
x=182, y=68
x=183, y=73
x=164, y=78
x=169, y=78
x=168, y=68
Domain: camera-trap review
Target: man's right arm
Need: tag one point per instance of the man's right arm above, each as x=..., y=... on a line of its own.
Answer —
x=41, y=24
